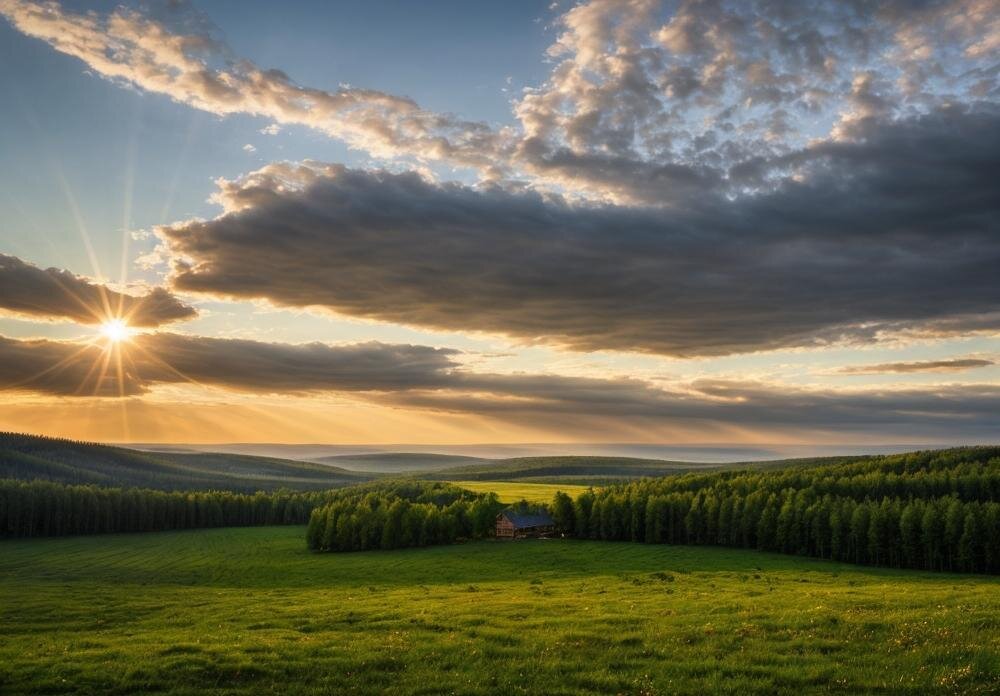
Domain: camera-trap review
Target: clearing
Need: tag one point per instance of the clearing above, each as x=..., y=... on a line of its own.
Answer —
x=249, y=610
x=513, y=491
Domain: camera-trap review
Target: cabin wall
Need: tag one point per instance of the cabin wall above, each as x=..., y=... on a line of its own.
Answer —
x=504, y=530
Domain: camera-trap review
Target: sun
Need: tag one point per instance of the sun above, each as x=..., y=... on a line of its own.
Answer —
x=115, y=330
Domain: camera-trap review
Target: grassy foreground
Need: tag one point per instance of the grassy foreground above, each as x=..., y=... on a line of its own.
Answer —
x=249, y=610
x=514, y=491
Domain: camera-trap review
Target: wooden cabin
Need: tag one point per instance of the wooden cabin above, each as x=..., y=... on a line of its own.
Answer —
x=513, y=525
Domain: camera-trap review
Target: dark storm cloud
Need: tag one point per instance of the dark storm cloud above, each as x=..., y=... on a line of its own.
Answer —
x=581, y=406
x=61, y=369
x=52, y=293
x=88, y=369
x=424, y=378
x=281, y=367
x=897, y=231
x=953, y=365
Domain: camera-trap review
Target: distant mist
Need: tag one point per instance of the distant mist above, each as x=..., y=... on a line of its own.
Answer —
x=709, y=453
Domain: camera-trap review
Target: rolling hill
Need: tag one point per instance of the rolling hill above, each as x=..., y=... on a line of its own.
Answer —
x=34, y=457
x=561, y=469
x=599, y=470
x=65, y=461
x=401, y=462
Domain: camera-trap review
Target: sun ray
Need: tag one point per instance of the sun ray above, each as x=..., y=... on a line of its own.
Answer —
x=86, y=378
x=84, y=236
x=120, y=373
x=98, y=383
x=57, y=367
x=95, y=312
x=149, y=353
x=128, y=195
x=194, y=125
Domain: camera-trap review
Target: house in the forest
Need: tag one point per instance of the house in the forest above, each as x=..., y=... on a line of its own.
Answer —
x=516, y=525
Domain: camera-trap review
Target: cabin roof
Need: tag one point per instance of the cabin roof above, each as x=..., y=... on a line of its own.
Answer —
x=523, y=521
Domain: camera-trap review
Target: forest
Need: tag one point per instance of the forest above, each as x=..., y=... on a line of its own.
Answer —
x=400, y=515
x=925, y=510
x=41, y=508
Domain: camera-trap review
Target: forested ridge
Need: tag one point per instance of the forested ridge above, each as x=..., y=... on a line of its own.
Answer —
x=930, y=510
x=42, y=508
x=400, y=515
x=32, y=457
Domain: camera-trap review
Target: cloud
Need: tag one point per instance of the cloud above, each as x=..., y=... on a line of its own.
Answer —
x=951, y=365
x=429, y=379
x=52, y=293
x=58, y=368
x=288, y=368
x=796, y=174
x=67, y=368
x=249, y=148
x=166, y=55
x=647, y=97
x=647, y=102
x=895, y=234
x=726, y=409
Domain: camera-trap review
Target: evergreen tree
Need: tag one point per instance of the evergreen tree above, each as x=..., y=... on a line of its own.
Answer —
x=860, y=520
x=909, y=532
x=563, y=513
x=969, y=544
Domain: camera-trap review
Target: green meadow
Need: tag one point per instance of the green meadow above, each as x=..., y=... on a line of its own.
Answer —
x=250, y=610
x=514, y=491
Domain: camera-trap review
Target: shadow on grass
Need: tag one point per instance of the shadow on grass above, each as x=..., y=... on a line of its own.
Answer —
x=276, y=557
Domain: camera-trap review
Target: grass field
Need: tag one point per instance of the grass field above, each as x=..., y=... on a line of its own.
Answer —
x=513, y=491
x=251, y=611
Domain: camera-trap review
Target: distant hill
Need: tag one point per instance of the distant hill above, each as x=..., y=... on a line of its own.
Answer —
x=181, y=468
x=692, y=453
x=601, y=470
x=566, y=469
x=401, y=462
x=68, y=461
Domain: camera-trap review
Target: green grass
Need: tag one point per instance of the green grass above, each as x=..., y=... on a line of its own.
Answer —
x=251, y=611
x=513, y=491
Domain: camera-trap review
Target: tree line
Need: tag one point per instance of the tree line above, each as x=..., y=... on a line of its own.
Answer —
x=930, y=510
x=42, y=508
x=400, y=515
x=415, y=513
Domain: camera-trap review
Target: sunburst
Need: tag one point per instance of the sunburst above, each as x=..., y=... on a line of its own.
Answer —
x=116, y=330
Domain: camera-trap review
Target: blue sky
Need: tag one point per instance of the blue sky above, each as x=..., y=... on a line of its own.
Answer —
x=107, y=141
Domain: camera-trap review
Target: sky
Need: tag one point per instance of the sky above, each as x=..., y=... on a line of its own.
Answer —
x=524, y=222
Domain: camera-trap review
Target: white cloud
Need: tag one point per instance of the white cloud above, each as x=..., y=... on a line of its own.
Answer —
x=644, y=104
